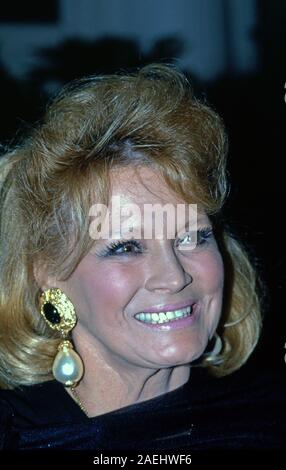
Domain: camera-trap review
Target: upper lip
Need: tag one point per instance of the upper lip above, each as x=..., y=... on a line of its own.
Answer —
x=169, y=307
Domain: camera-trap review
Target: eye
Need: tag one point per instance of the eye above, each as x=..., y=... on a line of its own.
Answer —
x=123, y=247
x=203, y=236
x=188, y=238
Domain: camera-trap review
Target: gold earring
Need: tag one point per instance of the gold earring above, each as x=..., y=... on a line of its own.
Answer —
x=59, y=313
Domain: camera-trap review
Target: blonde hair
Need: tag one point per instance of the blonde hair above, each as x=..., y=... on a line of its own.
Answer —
x=150, y=117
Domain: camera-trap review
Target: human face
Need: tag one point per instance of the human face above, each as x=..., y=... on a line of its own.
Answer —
x=108, y=291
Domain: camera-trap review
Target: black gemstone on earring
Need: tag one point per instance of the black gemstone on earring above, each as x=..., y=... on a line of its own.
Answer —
x=51, y=313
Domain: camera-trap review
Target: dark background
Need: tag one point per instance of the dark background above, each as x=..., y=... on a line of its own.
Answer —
x=234, y=53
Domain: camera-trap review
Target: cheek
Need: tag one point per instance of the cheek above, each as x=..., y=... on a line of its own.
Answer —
x=211, y=271
x=211, y=279
x=208, y=270
x=107, y=287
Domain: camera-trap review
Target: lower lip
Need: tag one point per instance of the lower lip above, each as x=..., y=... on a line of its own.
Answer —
x=175, y=324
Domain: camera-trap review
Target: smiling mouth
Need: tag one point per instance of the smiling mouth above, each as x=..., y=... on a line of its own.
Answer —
x=164, y=317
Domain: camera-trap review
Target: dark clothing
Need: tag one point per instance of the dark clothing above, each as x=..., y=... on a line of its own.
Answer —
x=240, y=411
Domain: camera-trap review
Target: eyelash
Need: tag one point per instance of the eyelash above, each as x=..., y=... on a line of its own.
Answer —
x=203, y=234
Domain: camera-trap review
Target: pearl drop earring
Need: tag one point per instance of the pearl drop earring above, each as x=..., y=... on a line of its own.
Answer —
x=59, y=313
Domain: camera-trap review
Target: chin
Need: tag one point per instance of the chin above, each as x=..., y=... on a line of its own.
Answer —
x=178, y=359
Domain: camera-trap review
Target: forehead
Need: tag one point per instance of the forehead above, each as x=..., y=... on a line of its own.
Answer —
x=140, y=197
x=142, y=185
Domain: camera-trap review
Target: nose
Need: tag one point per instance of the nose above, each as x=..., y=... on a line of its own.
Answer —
x=166, y=273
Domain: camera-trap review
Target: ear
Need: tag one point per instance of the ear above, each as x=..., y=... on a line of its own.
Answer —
x=41, y=276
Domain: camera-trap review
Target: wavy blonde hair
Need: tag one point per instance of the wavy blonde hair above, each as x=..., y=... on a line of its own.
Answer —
x=152, y=118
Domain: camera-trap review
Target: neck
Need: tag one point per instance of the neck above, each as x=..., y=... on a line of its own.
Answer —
x=111, y=383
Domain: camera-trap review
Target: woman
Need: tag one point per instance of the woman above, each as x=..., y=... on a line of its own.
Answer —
x=101, y=329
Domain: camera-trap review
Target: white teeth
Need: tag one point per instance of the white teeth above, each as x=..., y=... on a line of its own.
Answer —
x=155, y=317
x=170, y=315
x=164, y=317
x=177, y=313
